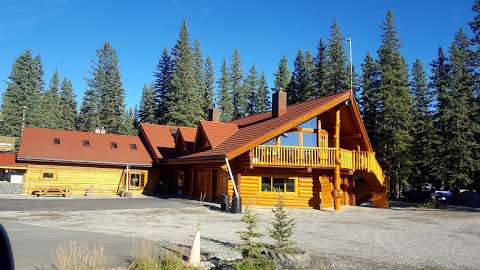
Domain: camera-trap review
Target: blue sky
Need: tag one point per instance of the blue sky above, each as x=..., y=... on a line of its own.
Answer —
x=66, y=33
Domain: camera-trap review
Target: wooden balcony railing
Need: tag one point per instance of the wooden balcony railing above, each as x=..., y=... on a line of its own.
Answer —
x=315, y=157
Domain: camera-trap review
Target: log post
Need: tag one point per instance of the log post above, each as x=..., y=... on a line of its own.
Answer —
x=337, y=192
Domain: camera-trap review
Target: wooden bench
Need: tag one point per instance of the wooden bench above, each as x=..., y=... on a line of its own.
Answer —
x=51, y=191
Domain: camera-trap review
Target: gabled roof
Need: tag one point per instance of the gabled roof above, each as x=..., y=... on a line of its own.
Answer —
x=257, y=129
x=38, y=144
x=217, y=132
x=160, y=139
x=188, y=133
x=8, y=160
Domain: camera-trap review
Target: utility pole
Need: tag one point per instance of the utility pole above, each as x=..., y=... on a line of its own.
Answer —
x=351, y=64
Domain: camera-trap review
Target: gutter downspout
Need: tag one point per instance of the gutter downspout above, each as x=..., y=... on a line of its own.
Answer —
x=126, y=180
x=231, y=177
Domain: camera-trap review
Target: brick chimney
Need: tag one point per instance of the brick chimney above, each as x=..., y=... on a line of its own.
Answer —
x=279, y=103
x=214, y=114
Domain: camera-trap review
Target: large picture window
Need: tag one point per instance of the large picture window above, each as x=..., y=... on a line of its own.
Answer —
x=277, y=184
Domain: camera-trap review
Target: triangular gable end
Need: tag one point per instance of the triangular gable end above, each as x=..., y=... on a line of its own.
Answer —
x=352, y=111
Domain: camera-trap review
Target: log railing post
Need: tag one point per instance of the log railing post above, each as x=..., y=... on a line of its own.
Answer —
x=337, y=193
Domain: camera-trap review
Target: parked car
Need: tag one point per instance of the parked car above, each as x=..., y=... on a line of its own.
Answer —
x=421, y=192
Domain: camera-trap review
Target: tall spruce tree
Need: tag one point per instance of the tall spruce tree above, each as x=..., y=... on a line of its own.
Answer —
x=209, y=82
x=475, y=27
x=239, y=93
x=182, y=102
x=301, y=83
x=68, y=105
x=263, y=100
x=251, y=85
x=128, y=122
x=336, y=71
x=87, y=119
x=283, y=74
x=395, y=116
x=320, y=71
x=423, y=130
x=370, y=98
x=22, y=95
x=161, y=85
x=50, y=110
x=106, y=81
x=439, y=82
x=199, y=68
x=146, y=112
x=225, y=102
x=457, y=116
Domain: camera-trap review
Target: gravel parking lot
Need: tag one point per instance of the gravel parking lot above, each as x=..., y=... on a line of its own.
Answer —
x=355, y=238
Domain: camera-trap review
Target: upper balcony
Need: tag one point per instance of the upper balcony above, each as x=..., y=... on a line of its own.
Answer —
x=315, y=157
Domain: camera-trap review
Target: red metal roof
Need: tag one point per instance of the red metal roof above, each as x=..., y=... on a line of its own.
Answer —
x=188, y=133
x=37, y=144
x=217, y=132
x=257, y=129
x=9, y=160
x=160, y=138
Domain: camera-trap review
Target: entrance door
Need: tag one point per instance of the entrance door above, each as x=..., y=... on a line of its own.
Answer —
x=214, y=185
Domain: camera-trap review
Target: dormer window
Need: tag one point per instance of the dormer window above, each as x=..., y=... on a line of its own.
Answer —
x=85, y=143
x=133, y=147
x=113, y=145
x=56, y=140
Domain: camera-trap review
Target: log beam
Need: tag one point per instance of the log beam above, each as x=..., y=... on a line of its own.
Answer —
x=337, y=192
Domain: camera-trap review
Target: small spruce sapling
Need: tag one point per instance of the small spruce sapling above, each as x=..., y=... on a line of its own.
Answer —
x=250, y=247
x=282, y=227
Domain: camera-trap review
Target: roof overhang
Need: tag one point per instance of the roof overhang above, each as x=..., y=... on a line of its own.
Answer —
x=83, y=162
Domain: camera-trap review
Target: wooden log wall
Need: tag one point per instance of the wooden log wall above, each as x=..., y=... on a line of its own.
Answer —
x=80, y=179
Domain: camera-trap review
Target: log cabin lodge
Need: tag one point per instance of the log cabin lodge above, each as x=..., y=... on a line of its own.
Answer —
x=315, y=154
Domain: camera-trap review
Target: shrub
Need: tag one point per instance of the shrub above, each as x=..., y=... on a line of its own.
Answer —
x=75, y=256
x=282, y=228
x=147, y=257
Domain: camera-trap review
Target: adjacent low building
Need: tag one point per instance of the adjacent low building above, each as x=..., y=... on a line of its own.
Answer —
x=84, y=162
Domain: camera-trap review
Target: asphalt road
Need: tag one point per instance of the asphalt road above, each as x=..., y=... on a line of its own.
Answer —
x=34, y=246
x=72, y=204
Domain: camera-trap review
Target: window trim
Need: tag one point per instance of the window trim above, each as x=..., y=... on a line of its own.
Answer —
x=286, y=193
x=54, y=176
x=140, y=187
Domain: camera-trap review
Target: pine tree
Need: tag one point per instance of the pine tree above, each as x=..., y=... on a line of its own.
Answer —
x=370, y=98
x=146, y=112
x=182, y=102
x=301, y=84
x=263, y=101
x=283, y=74
x=239, y=94
x=22, y=95
x=88, y=116
x=68, y=105
x=395, y=116
x=209, y=85
x=225, y=96
x=107, y=83
x=439, y=82
x=128, y=122
x=457, y=116
x=282, y=227
x=423, y=147
x=336, y=71
x=250, y=247
x=320, y=71
x=50, y=110
x=199, y=68
x=161, y=86
x=251, y=85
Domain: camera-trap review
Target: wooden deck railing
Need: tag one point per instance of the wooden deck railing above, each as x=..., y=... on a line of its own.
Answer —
x=315, y=157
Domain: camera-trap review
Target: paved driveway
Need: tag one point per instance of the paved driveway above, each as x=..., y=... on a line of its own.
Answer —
x=76, y=204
